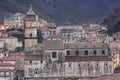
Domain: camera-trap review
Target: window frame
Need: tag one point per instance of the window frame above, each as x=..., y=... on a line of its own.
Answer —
x=68, y=52
x=94, y=52
x=54, y=54
x=103, y=52
x=86, y=52
x=77, y=52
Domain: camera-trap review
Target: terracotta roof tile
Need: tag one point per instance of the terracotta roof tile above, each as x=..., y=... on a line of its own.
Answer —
x=53, y=45
x=16, y=54
x=111, y=77
x=7, y=59
x=6, y=64
x=80, y=45
x=33, y=57
x=6, y=70
x=86, y=58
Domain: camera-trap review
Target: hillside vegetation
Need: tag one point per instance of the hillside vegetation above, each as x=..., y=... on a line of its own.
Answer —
x=113, y=21
x=61, y=11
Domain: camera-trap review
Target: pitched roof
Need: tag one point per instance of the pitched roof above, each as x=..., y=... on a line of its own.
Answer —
x=30, y=11
x=19, y=14
x=34, y=48
x=6, y=70
x=16, y=54
x=86, y=58
x=85, y=45
x=53, y=45
x=6, y=65
x=110, y=77
x=33, y=57
x=7, y=59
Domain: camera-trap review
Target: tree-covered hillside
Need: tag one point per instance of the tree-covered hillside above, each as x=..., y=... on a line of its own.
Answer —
x=113, y=21
x=61, y=11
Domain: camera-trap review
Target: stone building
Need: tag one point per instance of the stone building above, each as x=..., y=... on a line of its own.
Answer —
x=19, y=68
x=34, y=64
x=31, y=26
x=17, y=20
x=87, y=60
x=7, y=68
x=56, y=60
x=70, y=35
x=115, y=50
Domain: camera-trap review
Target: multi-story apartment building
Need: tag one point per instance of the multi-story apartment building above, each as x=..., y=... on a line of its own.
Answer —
x=7, y=68
x=71, y=35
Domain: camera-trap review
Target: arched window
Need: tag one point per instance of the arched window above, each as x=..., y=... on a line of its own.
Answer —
x=97, y=69
x=30, y=34
x=30, y=61
x=106, y=68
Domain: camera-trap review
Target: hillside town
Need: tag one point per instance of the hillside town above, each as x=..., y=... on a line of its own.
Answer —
x=32, y=48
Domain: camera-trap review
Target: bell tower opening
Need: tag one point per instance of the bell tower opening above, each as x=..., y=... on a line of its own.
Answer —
x=31, y=26
x=30, y=35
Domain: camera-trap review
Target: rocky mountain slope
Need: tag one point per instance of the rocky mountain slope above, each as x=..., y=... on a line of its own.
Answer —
x=62, y=11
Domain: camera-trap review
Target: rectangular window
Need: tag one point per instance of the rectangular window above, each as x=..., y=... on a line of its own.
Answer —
x=54, y=32
x=9, y=73
x=4, y=73
x=77, y=52
x=94, y=52
x=30, y=71
x=41, y=61
x=103, y=52
x=86, y=52
x=97, y=70
x=54, y=55
x=68, y=53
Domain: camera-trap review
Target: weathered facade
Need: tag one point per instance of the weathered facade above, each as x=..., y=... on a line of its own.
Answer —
x=31, y=25
x=56, y=60
x=71, y=60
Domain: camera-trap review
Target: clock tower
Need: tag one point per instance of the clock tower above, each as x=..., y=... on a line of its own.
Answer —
x=31, y=26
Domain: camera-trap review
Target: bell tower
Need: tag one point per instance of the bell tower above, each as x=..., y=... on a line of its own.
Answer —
x=31, y=25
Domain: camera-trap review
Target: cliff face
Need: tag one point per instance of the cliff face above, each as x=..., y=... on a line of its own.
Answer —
x=62, y=11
